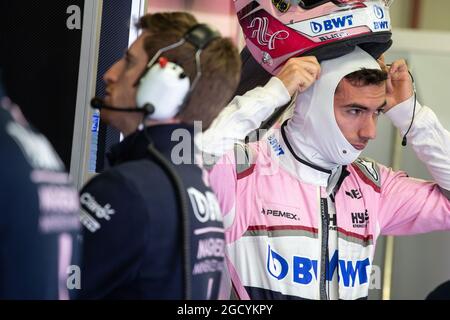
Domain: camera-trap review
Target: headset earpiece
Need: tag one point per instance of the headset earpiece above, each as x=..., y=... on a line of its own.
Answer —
x=164, y=85
x=164, y=88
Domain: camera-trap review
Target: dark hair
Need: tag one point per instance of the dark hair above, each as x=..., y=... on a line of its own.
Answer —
x=220, y=64
x=367, y=77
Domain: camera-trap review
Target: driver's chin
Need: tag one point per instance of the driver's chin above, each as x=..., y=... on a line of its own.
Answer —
x=360, y=146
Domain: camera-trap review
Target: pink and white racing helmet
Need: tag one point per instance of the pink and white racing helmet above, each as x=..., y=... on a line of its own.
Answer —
x=276, y=30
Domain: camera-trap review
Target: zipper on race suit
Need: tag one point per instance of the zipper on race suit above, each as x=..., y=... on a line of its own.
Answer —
x=325, y=220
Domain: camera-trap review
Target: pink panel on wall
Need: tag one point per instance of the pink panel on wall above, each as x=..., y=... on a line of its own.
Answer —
x=161, y=5
x=219, y=14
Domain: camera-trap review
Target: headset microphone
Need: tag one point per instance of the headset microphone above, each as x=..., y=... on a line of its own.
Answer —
x=405, y=139
x=98, y=103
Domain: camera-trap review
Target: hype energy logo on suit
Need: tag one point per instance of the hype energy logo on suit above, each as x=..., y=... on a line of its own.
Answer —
x=302, y=270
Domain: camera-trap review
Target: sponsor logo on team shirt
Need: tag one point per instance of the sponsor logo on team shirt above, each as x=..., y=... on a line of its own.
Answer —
x=58, y=198
x=205, y=205
x=211, y=247
x=36, y=148
x=59, y=208
x=279, y=213
x=101, y=212
x=360, y=219
x=303, y=270
x=89, y=222
x=211, y=252
x=207, y=266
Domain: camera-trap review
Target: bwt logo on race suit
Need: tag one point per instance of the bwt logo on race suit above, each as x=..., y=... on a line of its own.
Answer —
x=332, y=24
x=276, y=146
x=304, y=270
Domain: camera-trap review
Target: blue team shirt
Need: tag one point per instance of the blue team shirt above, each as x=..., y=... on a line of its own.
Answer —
x=39, y=214
x=132, y=229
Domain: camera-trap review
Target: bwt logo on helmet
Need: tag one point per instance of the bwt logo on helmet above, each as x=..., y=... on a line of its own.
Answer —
x=332, y=24
x=303, y=270
x=381, y=25
x=379, y=12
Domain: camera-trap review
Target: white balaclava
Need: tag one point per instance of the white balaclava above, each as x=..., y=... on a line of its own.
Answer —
x=313, y=131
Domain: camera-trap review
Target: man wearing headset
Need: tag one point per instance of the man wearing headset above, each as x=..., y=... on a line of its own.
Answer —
x=39, y=219
x=302, y=210
x=138, y=241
